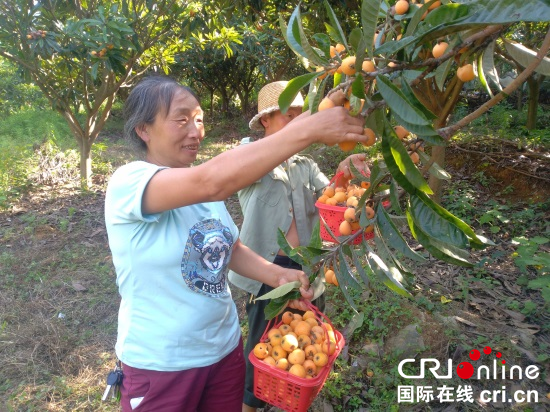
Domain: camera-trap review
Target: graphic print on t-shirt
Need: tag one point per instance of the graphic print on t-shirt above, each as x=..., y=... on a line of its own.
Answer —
x=207, y=252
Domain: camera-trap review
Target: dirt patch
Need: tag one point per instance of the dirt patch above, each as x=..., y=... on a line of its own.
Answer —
x=503, y=169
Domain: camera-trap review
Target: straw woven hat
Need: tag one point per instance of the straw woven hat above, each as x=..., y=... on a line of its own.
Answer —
x=268, y=102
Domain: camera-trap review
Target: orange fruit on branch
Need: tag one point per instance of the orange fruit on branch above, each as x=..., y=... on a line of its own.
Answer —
x=347, y=146
x=371, y=137
x=401, y=7
x=439, y=49
x=401, y=132
x=466, y=73
x=348, y=66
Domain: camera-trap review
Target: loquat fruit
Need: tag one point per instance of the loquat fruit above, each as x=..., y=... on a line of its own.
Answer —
x=370, y=135
x=282, y=363
x=345, y=228
x=287, y=317
x=401, y=7
x=466, y=73
x=349, y=215
x=278, y=352
x=260, y=351
x=310, y=351
x=304, y=341
x=328, y=347
x=270, y=361
x=275, y=337
x=310, y=367
x=401, y=132
x=368, y=66
x=347, y=146
x=297, y=356
x=320, y=359
x=289, y=343
x=439, y=49
x=415, y=157
x=297, y=370
x=309, y=314
x=326, y=103
x=369, y=211
x=348, y=66
x=302, y=328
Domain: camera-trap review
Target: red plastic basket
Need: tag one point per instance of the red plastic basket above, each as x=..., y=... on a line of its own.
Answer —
x=284, y=390
x=332, y=216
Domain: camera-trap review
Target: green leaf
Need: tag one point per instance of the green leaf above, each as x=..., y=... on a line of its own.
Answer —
x=389, y=258
x=355, y=323
x=323, y=41
x=539, y=283
x=381, y=270
x=447, y=14
x=293, y=88
x=338, y=33
x=478, y=67
x=343, y=276
x=285, y=247
x=525, y=56
x=375, y=121
x=354, y=39
x=369, y=20
x=440, y=22
x=293, y=32
x=310, y=53
x=314, y=97
x=439, y=251
x=442, y=72
x=400, y=104
x=488, y=65
x=392, y=236
x=315, y=240
x=415, y=20
x=389, y=48
x=280, y=291
x=392, y=167
x=476, y=241
x=434, y=169
x=360, y=269
x=435, y=225
x=398, y=154
x=394, y=197
x=276, y=306
x=409, y=94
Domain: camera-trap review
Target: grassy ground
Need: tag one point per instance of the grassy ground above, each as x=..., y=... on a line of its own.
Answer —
x=58, y=298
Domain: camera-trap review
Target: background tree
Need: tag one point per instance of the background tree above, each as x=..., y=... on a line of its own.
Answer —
x=518, y=50
x=81, y=53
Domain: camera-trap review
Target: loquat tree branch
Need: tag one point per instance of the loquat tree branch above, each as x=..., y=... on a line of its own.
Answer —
x=448, y=132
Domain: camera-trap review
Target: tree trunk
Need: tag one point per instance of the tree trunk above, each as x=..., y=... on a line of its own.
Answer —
x=533, y=83
x=519, y=93
x=86, y=163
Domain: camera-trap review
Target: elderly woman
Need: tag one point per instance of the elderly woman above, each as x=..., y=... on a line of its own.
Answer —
x=173, y=242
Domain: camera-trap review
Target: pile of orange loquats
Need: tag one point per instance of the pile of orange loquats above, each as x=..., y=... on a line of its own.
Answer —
x=348, y=197
x=300, y=344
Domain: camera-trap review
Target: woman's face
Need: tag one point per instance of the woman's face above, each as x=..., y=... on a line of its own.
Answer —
x=174, y=138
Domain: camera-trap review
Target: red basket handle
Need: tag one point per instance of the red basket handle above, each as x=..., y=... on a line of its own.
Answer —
x=336, y=176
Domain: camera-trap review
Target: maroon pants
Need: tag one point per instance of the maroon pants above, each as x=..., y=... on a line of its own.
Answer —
x=218, y=387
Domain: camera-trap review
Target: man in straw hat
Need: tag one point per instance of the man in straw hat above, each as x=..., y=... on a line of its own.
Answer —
x=284, y=198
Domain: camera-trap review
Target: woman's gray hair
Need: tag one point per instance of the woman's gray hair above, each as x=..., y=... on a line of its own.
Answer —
x=151, y=96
